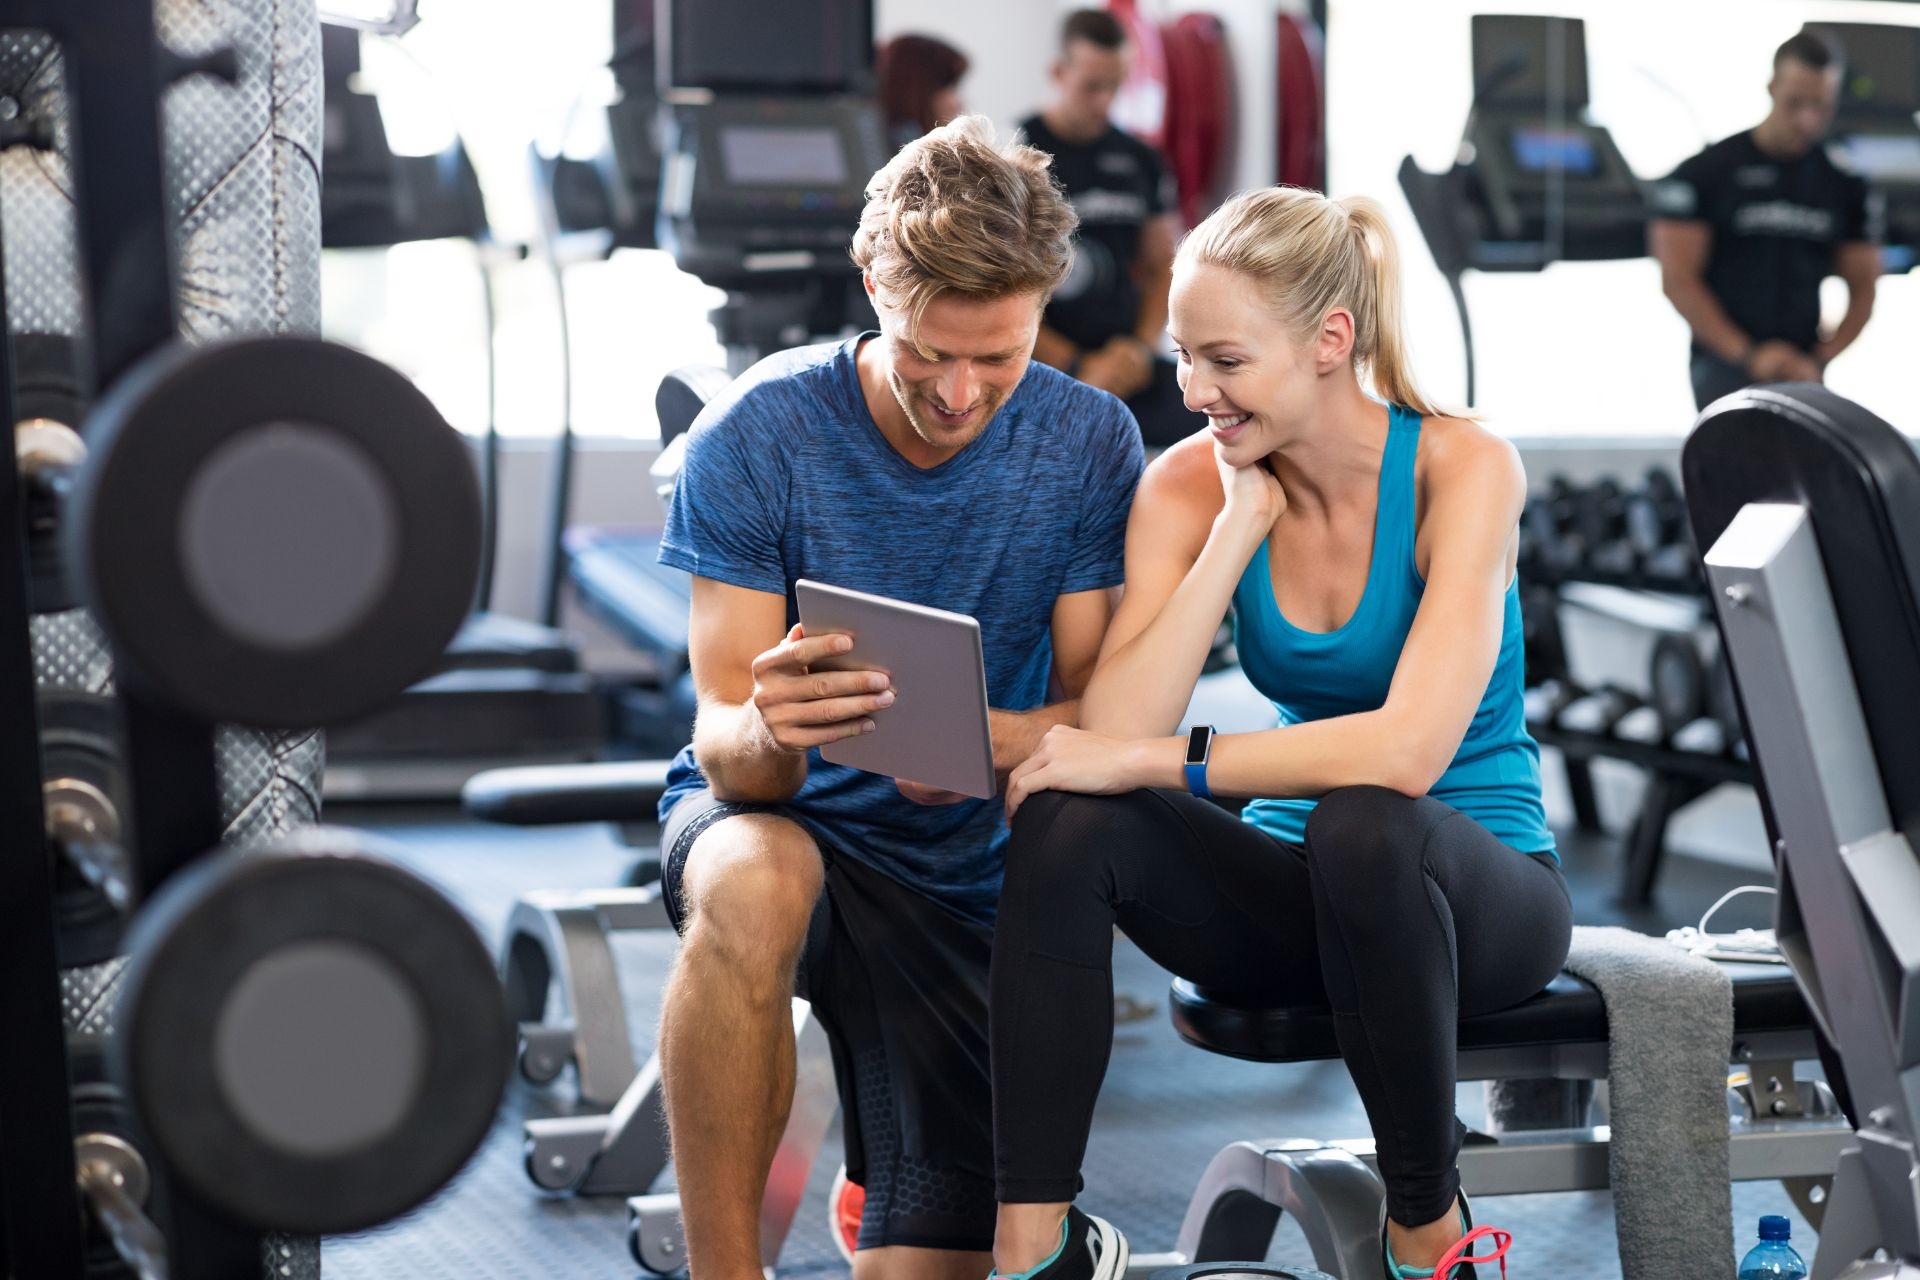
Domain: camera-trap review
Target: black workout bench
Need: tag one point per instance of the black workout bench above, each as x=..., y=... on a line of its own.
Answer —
x=1333, y=1189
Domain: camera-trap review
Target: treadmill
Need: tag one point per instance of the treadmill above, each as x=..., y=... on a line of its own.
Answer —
x=508, y=689
x=1537, y=181
x=764, y=151
x=1875, y=132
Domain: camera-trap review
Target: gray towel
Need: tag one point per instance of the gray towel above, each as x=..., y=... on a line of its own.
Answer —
x=1670, y=1026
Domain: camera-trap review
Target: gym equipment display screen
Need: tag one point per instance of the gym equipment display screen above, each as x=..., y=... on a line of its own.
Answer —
x=1881, y=64
x=1547, y=150
x=817, y=46
x=1525, y=61
x=1881, y=157
x=775, y=156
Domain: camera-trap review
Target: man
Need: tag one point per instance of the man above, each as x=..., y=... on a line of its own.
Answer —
x=1105, y=322
x=931, y=462
x=1746, y=231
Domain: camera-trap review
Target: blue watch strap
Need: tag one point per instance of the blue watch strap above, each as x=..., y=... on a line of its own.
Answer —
x=1199, y=749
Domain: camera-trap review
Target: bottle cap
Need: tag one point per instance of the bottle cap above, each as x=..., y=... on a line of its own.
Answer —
x=1775, y=1227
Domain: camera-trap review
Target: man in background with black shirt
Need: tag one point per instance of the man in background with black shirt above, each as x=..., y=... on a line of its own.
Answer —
x=1104, y=323
x=1746, y=231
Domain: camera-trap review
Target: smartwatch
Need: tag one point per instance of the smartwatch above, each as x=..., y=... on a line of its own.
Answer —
x=1199, y=747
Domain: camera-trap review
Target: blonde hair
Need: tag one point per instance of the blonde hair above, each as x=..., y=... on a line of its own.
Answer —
x=953, y=211
x=1312, y=255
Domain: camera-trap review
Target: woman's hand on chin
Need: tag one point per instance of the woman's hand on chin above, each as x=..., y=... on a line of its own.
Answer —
x=1254, y=498
x=1071, y=759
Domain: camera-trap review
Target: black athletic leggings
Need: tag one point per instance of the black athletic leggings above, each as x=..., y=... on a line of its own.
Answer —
x=1399, y=914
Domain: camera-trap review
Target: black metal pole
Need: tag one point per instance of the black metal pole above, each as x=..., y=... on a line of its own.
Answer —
x=39, y=1201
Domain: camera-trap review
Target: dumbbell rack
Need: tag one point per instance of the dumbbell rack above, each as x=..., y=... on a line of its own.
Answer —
x=1675, y=778
x=1676, y=775
x=117, y=70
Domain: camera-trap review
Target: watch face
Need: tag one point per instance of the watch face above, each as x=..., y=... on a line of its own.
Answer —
x=1197, y=744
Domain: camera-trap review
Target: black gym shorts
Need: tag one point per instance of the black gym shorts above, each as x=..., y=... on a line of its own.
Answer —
x=900, y=986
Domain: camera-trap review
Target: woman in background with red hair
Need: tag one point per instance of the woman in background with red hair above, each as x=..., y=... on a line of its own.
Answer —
x=919, y=85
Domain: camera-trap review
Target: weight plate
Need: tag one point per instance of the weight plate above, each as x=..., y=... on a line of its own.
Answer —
x=1678, y=681
x=279, y=532
x=80, y=739
x=316, y=1039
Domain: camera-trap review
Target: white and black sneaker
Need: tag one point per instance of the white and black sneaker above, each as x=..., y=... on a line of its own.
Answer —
x=1090, y=1249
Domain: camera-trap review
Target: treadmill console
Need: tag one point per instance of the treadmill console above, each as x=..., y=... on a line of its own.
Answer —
x=755, y=187
x=1875, y=133
x=1548, y=184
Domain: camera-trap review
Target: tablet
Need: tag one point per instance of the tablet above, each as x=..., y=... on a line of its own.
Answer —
x=936, y=731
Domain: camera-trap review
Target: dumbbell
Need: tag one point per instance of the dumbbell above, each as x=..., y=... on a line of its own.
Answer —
x=1544, y=648
x=113, y=1173
x=1656, y=514
x=1601, y=511
x=49, y=407
x=1677, y=680
x=278, y=532
x=1599, y=712
x=1550, y=533
x=311, y=1038
x=282, y=533
x=1657, y=526
x=82, y=768
x=314, y=1039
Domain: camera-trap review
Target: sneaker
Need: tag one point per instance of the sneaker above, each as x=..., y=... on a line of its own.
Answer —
x=1090, y=1249
x=1456, y=1263
x=845, y=1203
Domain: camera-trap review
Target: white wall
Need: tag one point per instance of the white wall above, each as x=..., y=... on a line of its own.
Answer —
x=1008, y=42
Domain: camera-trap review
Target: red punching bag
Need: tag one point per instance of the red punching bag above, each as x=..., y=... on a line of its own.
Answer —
x=1141, y=105
x=1199, y=111
x=1300, y=136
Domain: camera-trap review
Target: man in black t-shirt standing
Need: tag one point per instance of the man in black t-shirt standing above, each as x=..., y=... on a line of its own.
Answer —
x=1746, y=231
x=1104, y=323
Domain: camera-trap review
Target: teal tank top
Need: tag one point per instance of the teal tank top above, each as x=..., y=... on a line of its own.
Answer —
x=1312, y=675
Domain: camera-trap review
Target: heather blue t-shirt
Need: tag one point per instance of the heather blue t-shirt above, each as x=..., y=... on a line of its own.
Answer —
x=787, y=477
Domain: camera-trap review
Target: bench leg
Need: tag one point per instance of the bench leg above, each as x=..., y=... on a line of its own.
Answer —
x=568, y=944
x=1330, y=1192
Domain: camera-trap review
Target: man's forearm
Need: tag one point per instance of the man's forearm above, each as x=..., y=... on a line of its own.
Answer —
x=1152, y=322
x=1859, y=311
x=1017, y=734
x=740, y=759
x=1712, y=328
x=1054, y=348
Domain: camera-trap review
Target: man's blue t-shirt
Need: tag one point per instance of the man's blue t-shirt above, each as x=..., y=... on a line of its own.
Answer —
x=787, y=477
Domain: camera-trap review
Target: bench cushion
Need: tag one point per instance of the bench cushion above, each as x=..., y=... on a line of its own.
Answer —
x=1569, y=1011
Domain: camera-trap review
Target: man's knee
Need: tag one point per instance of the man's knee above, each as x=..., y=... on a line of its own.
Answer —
x=752, y=882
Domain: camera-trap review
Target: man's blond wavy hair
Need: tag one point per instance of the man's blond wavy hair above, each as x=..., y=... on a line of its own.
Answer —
x=956, y=212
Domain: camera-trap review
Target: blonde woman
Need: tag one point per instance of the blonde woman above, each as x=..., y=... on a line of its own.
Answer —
x=1394, y=863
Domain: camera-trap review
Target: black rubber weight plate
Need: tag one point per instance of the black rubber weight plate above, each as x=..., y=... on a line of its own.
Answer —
x=317, y=1041
x=276, y=531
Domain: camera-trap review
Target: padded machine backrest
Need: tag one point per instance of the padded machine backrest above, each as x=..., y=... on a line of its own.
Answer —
x=681, y=396
x=1860, y=478
x=1809, y=508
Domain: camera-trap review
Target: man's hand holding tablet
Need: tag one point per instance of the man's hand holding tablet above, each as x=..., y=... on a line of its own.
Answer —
x=804, y=704
x=937, y=730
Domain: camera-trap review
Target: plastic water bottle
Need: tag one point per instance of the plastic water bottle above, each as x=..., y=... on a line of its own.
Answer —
x=1773, y=1258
